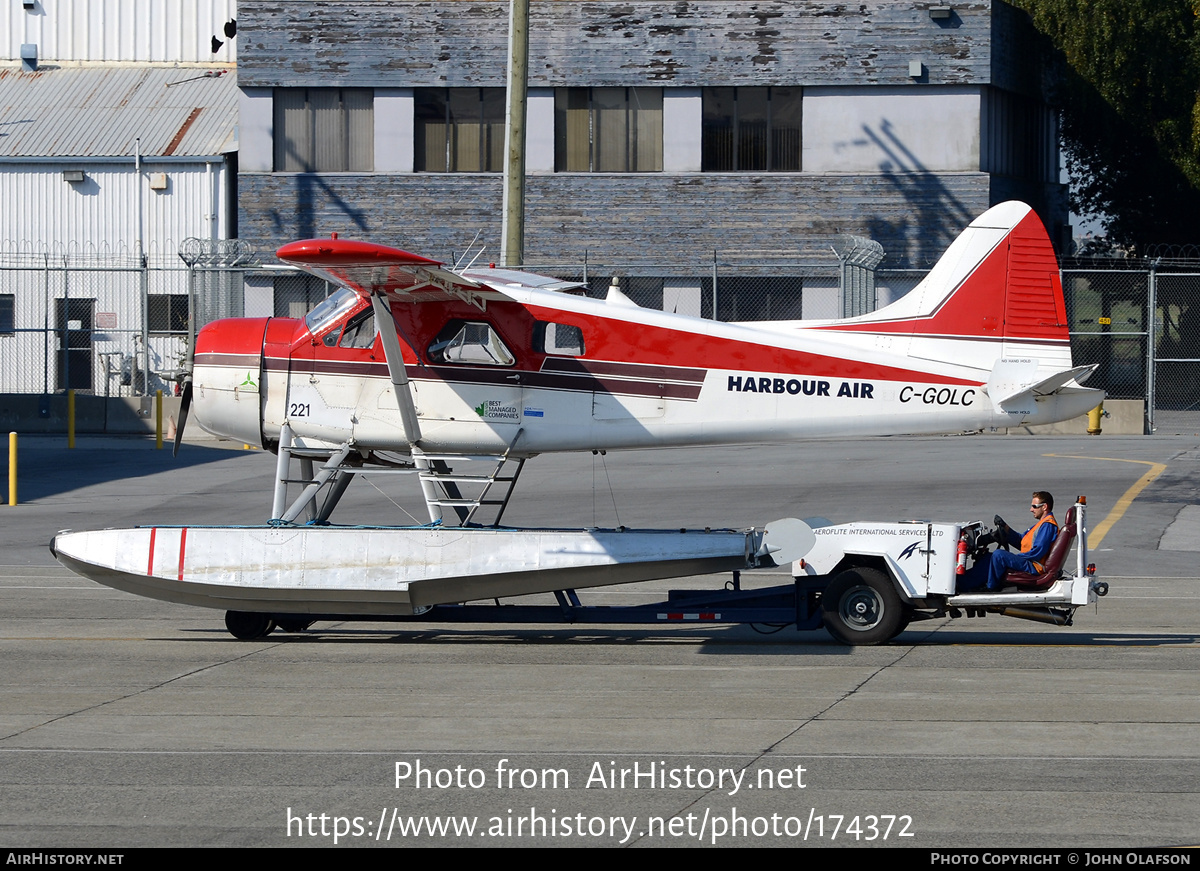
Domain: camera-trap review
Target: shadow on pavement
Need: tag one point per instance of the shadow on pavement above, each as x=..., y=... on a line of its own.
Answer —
x=46, y=467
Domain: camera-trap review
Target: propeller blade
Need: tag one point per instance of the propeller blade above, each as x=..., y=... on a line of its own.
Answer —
x=184, y=405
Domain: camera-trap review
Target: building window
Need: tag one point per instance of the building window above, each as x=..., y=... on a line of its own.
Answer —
x=1020, y=137
x=324, y=130
x=459, y=129
x=608, y=129
x=168, y=312
x=8, y=318
x=750, y=130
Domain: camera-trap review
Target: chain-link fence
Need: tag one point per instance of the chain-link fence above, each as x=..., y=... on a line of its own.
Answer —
x=104, y=324
x=740, y=290
x=1142, y=326
x=120, y=325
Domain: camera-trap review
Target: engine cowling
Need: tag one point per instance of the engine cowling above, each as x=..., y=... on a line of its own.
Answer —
x=227, y=378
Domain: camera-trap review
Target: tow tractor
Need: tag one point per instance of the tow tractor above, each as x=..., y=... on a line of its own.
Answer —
x=870, y=580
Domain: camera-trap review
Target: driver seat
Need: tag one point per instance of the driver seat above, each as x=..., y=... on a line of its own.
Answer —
x=1054, y=560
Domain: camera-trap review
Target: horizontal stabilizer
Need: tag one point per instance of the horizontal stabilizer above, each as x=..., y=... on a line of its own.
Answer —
x=1014, y=384
x=1050, y=385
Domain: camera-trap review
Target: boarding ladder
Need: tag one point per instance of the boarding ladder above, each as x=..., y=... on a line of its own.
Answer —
x=489, y=484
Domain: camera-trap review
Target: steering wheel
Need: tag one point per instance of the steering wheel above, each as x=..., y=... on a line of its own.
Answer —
x=1001, y=533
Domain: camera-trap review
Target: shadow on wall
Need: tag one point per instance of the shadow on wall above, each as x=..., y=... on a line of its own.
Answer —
x=313, y=197
x=931, y=204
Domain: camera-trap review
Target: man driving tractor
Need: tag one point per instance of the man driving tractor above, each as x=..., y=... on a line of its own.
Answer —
x=1034, y=547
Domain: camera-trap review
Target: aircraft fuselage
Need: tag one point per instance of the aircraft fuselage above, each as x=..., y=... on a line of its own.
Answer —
x=610, y=376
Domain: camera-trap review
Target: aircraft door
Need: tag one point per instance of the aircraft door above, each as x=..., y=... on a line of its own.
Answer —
x=330, y=369
x=477, y=379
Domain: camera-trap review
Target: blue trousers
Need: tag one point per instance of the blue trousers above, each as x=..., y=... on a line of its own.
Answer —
x=990, y=573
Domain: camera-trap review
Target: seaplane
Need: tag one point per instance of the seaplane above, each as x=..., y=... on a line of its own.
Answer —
x=460, y=376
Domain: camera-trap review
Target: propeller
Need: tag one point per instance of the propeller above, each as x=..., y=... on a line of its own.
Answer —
x=184, y=404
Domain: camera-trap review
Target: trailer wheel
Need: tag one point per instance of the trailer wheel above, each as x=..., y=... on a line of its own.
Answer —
x=248, y=625
x=294, y=624
x=860, y=606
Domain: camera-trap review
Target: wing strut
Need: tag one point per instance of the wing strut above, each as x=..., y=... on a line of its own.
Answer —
x=388, y=331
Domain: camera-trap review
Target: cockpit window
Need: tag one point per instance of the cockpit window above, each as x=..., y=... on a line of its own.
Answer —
x=360, y=331
x=329, y=311
x=470, y=342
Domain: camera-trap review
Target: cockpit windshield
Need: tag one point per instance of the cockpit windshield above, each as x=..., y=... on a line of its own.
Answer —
x=331, y=310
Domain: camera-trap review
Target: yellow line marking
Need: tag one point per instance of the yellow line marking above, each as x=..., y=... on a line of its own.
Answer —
x=1118, y=510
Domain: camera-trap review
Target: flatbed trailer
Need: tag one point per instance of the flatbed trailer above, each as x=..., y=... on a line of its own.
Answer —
x=863, y=582
x=781, y=605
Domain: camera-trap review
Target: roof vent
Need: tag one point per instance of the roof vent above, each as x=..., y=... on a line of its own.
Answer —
x=29, y=57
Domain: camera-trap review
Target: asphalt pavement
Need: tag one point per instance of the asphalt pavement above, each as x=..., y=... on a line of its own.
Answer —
x=128, y=722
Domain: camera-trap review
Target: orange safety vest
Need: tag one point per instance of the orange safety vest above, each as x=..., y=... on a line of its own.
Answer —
x=1027, y=538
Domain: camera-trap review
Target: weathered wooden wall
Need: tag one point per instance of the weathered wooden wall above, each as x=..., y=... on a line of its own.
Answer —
x=393, y=43
x=649, y=219
x=682, y=43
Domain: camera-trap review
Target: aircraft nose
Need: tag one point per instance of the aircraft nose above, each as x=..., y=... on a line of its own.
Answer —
x=230, y=337
x=226, y=378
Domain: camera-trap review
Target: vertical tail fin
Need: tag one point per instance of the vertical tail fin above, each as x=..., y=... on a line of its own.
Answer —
x=992, y=303
x=997, y=283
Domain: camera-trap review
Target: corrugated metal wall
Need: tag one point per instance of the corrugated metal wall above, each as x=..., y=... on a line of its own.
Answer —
x=44, y=212
x=146, y=31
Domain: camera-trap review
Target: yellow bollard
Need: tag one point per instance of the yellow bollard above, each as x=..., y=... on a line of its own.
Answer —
x=1094, y=419
x=70, y=418
x=158, y=420
x=12, y=468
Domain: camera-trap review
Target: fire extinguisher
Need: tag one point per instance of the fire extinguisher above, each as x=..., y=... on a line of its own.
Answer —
x=961, y=568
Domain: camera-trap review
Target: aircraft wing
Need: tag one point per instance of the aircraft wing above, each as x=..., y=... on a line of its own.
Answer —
x=368, y=268
x=513, y=279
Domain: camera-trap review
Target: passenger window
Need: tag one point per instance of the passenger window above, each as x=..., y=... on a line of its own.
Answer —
x=562, y=339
x=470, y=342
